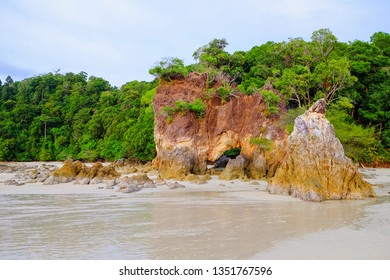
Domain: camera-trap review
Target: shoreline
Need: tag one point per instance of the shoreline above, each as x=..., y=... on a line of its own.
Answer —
x=251, y=190
x=216, y=220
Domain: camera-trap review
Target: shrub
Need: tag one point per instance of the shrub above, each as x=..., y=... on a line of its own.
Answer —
x=360, y=144
x=169, y=69
x=232, y=153
x=225, y=91
x=197, y=106
x=261, y=142
x=272, y=100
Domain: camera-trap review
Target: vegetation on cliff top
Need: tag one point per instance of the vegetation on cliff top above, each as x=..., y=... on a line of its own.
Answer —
x=198, y=107
x=59, y=116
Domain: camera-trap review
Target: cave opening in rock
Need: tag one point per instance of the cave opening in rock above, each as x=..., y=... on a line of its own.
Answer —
x=232, y=153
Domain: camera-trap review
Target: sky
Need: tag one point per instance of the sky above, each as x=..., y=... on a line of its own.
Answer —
x=120, y=40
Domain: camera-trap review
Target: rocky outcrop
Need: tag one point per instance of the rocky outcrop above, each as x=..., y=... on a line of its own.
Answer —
x=221, y=162
x=76, y=170
x=186, y=143
x=315, y=167
x=135, y=183
x=26, y=173
x=235, y=169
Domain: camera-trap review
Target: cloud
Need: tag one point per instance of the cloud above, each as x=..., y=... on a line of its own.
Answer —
x=120, y=40
x=16, y=72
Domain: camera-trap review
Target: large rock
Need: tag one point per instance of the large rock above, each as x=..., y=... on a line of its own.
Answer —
x=221, y=162
x=66, y=173
x=76, y=170
x=315, y=167
x=86, y=174
x=135, y=183
x=235, y=169
x=186, y=143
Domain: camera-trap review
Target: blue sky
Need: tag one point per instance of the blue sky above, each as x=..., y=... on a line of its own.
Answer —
x=121, y=40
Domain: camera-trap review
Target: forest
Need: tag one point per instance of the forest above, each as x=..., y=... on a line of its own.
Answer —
x=59, y=116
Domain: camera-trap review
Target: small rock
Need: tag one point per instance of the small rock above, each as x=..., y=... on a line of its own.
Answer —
x=10, y=182
x=176, y=185
x=95, y=181
x=111, y=184
x=135, y=183
x=129, y=189
x=33, y=174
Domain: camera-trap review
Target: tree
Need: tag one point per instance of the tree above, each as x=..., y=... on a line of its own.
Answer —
x=382, y=41
x=213, y=49
x=295, y=84
x=297, y=52
x=323, y=41
x=332, y=77
x=9, y=80
x=169, y=69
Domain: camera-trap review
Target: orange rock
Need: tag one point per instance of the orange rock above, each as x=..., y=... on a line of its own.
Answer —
x=315, y=167
x=187, y=143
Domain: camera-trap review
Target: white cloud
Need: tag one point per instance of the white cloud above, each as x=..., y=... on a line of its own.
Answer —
x=120, y=40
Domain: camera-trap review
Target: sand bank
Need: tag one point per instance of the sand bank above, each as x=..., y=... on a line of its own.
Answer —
x=216, y=220
x=251, y=190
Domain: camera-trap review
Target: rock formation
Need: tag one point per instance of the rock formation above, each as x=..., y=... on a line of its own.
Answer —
x=76, y=170
x=221, y=162
x=315, y=167
x=186, y=143
x=135, y=183
x=26, y=174
x=235, y=169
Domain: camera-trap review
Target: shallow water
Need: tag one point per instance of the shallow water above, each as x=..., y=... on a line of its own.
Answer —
x=173, y=225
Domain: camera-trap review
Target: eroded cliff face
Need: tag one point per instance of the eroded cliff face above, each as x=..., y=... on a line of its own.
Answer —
x=187, y=143
x=315, y=167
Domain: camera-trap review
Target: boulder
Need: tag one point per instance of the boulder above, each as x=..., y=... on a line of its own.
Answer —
x=66, y=173
x=235, y=169
x=86, y=174
x=76, y=170
x=135, y=183
x=221, y=162
x=315, y=167
x=107, y=173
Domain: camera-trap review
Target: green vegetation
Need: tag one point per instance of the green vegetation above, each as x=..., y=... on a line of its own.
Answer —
x=232, y=153
x=261, y=142
x=197, y=106
x=225, y=92
x=272, y=100
x=169, y=69
x=55, y=116
x=360, y=143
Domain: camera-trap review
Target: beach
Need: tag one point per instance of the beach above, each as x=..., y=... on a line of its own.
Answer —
x=216, y=220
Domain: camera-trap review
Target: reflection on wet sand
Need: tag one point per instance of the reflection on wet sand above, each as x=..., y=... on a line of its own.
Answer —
x=172, y=225
x=239, y=230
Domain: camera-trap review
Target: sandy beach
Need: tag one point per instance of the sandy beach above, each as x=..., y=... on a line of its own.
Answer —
x=216, y=220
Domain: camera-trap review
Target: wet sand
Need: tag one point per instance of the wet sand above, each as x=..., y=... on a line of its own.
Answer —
x=367, y=237
x=217, y=220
